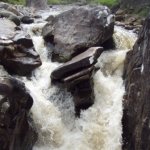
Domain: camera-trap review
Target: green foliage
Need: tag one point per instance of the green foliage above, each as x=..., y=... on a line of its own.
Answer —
x=142, y=11
x=109, y=3
x=103, y=2
x=21, y=2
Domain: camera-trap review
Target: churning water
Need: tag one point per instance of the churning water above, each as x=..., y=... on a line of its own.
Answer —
x=99, y=127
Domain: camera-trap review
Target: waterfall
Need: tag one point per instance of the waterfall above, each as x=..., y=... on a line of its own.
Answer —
x=99, y=127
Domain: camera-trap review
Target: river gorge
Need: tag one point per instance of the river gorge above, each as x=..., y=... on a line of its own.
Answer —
x=57, y=120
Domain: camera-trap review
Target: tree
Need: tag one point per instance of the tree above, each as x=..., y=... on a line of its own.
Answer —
x=38, y=4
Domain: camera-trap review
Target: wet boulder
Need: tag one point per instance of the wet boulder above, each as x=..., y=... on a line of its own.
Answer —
x=17, y=130
x=17, y=59
x=27, y=20
x=7, y=29
x=17, y=53
x=76, y=76
x=136, y=116
x=11, y=16
x=78, y=63
x=14, y=10
x=75, y=30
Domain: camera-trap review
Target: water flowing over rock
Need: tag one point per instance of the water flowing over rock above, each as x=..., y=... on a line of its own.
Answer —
x=136, y=118
x=16, y=128
x=77, y=76
x=75, y=30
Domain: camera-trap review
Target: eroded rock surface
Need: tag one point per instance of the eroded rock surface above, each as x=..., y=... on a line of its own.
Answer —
x=75, y=30
x=17, y=131
x=17, y=53
x=136, y=117
x=76, y=75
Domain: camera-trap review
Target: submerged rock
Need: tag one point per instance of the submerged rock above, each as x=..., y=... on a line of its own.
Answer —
x=75, y=30
x=17, y=131
x=136, y=117
x=7, y=29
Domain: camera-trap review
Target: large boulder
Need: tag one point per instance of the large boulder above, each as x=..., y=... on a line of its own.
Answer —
x=11, y=16
x=76, y=75
x=17, y=53
x=75, y=30
x=7, y=29
x=78, y=63
x=17, y=131
x=136, y=117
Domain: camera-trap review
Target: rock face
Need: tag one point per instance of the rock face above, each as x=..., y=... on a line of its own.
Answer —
x=11, y=16
x=16, y=128
x=133, y=3
x=17, y=53
x=76, y=75
x=75, y=30
x=136, y=117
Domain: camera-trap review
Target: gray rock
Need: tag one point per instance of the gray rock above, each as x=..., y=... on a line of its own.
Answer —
x=10, y=16
x=77, y=75
x=82, y=61
x=75, y=30
x=4, y=5
x=17, y=53
x=14, y=10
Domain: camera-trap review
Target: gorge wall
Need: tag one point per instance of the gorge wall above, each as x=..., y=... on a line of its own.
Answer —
x=136, y=118
x=133, y=3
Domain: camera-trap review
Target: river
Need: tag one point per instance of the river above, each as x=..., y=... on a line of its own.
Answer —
x=99, y=127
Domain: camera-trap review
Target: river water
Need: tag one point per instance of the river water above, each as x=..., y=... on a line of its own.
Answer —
x=99, y=127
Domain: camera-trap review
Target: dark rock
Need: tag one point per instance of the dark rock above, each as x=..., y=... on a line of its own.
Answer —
x=119, y=18
x=24, y=39
x=76, y=75
x=17, y=59
x=82, y=91
x=75, y=30
x=134, y=4
x=136, y=116
x=82, y=61
x=27, y=20
x=17, y=54
x=17, y=131
x=10, y=16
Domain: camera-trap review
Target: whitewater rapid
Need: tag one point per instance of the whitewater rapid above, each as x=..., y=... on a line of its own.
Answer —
x=99, y=127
